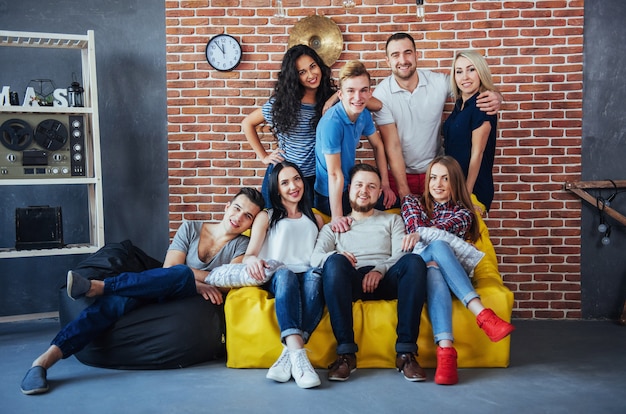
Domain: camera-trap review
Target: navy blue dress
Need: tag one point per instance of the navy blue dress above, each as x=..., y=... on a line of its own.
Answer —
x=457, y=141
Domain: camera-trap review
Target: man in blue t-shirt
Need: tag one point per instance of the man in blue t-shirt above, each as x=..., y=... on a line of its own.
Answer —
x=338, y=134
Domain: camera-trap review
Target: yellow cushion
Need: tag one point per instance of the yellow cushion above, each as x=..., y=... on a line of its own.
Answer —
x=253, y=335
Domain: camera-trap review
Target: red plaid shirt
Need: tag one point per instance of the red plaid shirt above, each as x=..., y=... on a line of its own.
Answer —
x=452, y=218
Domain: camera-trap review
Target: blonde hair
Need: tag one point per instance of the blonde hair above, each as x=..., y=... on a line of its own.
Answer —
x=480, y=64
x=352, y=69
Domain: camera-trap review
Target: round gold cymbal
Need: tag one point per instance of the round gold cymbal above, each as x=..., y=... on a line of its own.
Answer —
x=319, y=33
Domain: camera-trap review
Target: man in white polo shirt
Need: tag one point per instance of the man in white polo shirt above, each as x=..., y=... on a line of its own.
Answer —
x=410, y=119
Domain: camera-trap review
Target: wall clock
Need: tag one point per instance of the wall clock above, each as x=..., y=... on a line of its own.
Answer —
x=223, y=52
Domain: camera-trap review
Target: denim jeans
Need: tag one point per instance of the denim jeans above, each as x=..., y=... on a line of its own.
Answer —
x=299, y=301
x=448, y=275
x=123, y=293
x=405, y=281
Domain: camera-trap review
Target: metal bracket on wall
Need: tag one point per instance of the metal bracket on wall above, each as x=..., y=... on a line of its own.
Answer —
x=577, y=187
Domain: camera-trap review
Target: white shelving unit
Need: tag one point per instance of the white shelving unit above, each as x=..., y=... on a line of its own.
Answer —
x=93, y=174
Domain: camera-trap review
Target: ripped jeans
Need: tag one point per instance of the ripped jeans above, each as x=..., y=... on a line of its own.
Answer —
x=448, y=276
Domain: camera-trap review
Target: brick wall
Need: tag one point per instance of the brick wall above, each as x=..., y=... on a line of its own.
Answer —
x=535, y=51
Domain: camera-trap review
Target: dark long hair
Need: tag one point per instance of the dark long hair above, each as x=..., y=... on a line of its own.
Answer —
x=459, y=194
x=288, y=91
x=279, y=211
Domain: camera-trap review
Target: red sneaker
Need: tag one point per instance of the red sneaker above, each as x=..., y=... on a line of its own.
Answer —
x=446, y=373
x=495, y=328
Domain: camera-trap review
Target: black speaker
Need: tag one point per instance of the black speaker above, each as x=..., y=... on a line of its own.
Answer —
x=38, y=227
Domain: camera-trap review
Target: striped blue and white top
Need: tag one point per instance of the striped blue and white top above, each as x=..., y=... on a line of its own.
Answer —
x=299, y=143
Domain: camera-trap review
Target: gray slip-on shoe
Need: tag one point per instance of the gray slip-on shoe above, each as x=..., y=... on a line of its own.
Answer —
x=35, y=381
x=77, y=286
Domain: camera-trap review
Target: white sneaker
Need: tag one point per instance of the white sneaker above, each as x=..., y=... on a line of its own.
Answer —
x=281, y=370
x=302, y=370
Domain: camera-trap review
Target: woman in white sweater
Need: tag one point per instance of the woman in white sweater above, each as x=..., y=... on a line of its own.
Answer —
x=287, y=233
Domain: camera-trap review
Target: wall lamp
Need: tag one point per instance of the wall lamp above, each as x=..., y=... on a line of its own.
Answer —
x=420, y=9
x=280, y=10
x=601, y=204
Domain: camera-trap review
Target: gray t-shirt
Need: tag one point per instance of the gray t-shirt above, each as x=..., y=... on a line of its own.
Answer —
x=187, y=239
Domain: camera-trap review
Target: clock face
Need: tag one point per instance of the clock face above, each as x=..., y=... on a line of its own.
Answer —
x=223, y=52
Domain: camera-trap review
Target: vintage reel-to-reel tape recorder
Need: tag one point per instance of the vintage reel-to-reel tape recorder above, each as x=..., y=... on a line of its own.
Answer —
x=42, y=146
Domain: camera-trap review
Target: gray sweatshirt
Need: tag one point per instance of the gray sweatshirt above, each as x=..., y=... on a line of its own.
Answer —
x=375, y=241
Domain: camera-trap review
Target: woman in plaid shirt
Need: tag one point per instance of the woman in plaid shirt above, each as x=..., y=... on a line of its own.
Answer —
x=446, y=205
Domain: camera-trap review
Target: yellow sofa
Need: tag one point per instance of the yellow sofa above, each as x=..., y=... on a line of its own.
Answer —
x=253, y=335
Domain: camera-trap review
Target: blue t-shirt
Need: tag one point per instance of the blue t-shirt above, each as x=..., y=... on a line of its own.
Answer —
x=337, y=134
x=299, y=142
x=457, y=141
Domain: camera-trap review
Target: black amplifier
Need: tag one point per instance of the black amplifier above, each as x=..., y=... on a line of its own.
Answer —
x=38, y=227
x=42, y=146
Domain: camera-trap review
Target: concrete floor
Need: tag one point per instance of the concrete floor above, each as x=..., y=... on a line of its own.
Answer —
x=556, y=367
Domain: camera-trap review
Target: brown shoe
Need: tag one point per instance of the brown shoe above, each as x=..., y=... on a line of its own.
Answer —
x=341, y=369
x=407, y=364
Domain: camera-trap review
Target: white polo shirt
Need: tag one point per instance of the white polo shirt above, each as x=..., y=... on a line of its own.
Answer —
x=417, y=116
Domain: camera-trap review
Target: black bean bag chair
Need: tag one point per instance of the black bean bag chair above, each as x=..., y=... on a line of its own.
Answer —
x=173, y=334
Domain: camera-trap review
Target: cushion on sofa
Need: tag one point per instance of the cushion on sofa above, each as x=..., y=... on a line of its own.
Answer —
x=236, y=275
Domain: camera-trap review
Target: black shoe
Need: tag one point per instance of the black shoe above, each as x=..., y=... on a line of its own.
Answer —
x=35, y=381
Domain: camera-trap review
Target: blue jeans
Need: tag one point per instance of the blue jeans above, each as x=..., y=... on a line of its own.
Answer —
x=123, y=293
x=405, y=281
x=299, y=301
x=448, y=275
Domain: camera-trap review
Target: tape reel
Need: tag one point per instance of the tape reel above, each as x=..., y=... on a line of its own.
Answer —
x=16, y=134
x=51, y=134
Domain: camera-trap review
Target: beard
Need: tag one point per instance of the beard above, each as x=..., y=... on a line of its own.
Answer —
x=359, y=208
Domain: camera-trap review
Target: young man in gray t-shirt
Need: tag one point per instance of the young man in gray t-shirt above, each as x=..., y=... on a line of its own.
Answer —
x=197, y=248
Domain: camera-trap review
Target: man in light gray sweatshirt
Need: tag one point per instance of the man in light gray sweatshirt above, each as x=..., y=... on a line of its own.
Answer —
x=368, y=262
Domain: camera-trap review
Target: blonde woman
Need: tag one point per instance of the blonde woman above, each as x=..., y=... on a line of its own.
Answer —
x=469, y=134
